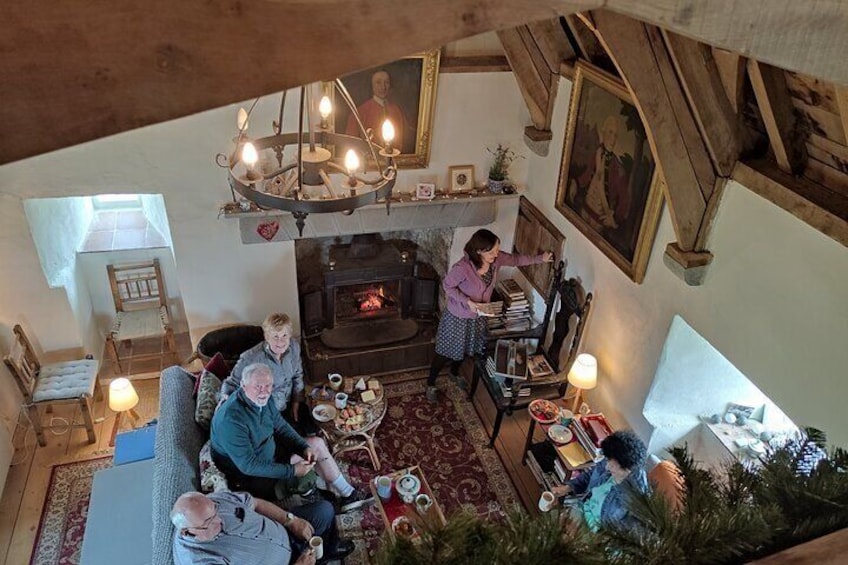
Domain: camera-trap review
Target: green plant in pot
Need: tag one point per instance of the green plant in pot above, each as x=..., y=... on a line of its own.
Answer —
x=499, y=170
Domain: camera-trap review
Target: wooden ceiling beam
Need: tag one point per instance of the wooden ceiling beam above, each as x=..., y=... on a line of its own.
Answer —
x=808, y=37
x=639, y=54
x=535, y=81
x=731, y=69
x=589, y=46
x=776, y=108
x=535, y=53
x=474, y=64
x=715, y=117
x=808, y=201
x=77, y=71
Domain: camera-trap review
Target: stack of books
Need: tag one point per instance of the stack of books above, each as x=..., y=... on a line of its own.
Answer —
x=516, y=309
x=590, y=430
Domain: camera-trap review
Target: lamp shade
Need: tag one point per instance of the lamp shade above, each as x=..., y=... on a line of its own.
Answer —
x=584, y=372
x=122, y=395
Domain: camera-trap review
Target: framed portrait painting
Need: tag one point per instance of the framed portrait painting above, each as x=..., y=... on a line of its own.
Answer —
x=609, y=187
x=404, y=91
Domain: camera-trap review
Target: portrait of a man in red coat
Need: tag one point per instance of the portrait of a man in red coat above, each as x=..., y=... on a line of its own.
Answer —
x=377, y=109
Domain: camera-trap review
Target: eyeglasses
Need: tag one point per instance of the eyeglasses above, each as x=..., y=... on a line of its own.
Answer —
x=208, y=521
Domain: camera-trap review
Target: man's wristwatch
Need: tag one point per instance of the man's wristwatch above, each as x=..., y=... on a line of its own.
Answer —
x=289, y=519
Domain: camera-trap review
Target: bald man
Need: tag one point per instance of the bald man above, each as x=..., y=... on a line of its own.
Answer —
x=234, y=527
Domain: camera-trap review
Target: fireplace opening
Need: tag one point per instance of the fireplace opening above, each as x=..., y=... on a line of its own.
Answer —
x=369, y=301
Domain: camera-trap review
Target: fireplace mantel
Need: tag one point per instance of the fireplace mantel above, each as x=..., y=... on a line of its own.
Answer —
x=444, y=211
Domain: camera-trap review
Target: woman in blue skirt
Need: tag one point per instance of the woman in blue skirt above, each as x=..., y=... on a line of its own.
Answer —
x=469, y=284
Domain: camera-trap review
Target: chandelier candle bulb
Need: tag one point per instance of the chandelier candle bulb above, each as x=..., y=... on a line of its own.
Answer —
x=325, y=108
x=352, y=165
x=249, y=156
x=388, y=135
x=241, y=120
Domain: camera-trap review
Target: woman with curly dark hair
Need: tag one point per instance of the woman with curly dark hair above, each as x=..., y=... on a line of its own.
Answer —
x=607, y=485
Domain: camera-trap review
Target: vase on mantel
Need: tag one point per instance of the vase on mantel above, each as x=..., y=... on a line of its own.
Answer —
x=496, y=186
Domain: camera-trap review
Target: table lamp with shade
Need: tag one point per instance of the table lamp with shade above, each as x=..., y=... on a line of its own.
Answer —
x=583, y=376
x=122, y=398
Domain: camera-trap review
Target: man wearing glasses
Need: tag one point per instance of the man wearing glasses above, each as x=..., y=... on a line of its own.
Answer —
x=234, y=527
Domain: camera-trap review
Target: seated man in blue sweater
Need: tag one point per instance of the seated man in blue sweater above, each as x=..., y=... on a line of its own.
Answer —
x=258, y=450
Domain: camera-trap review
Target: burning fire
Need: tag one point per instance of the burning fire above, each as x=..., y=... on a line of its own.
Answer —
x=374, y=300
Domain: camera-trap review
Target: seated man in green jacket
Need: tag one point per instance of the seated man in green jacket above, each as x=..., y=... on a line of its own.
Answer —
x=259, y=451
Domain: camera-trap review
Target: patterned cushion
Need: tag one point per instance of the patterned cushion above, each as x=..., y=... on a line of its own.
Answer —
x=61, y=381
x=211, y=478
x=207, y=399
x=218, y=366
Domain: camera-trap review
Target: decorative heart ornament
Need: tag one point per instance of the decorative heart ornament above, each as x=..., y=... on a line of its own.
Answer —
x=267, y=230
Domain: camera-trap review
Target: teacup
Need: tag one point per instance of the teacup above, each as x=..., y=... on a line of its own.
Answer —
x=341, y=400
x=546, y=501
x=336, y=381
x=316, y=544
x=565, y=416
x=423, y=503
x=384, y=487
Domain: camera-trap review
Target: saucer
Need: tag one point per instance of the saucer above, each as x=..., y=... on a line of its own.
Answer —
x=560, y=434
x=324, y=413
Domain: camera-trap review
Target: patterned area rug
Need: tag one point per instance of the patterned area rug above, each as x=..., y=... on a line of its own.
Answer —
x=448, y=442
x=60, y=532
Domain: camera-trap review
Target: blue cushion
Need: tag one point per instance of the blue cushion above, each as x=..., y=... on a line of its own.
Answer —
x=136, y=445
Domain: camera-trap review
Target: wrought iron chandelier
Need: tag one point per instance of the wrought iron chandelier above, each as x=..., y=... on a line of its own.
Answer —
x=302, y=180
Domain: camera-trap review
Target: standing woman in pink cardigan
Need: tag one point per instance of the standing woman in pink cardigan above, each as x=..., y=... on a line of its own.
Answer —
x=468, y=284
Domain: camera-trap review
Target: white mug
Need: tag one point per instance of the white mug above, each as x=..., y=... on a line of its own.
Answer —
x=335, y=381
x=546, y=501
x=316, y=544
x=341, y=400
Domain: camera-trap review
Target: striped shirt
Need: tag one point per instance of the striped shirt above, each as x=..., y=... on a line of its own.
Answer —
x=246, y=536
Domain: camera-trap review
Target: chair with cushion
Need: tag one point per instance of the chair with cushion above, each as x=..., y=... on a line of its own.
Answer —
x=57, y=383
x=141, y=304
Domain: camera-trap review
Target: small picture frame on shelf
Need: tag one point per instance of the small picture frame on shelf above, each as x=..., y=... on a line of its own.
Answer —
x=425, y=191
x=461, y=178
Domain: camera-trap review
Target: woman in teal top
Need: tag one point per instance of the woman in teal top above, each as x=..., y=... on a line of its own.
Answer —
x=608, y=484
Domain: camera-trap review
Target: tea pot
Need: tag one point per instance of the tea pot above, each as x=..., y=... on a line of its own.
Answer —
x=407, y=487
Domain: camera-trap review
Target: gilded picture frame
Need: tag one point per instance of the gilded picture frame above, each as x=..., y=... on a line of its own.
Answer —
x=411, y=100
x=609, y=184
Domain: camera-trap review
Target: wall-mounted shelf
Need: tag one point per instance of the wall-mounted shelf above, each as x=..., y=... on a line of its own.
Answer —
x=445, y=210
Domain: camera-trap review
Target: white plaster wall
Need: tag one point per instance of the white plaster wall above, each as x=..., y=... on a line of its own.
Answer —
x=775, y=304
x=154, y=210
x=58, y=227
x=693, y=380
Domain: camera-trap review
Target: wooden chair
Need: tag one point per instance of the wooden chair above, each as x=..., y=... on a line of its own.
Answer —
x=573, y=302
x=141, y=304
x=58, y=383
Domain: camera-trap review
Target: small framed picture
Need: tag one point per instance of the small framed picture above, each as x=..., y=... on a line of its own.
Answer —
x=461, y=178
x=425, y=191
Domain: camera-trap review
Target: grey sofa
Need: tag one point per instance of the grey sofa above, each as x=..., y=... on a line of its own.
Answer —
x=176, y=463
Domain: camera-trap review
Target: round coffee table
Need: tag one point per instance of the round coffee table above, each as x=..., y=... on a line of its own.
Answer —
x=362, y=438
